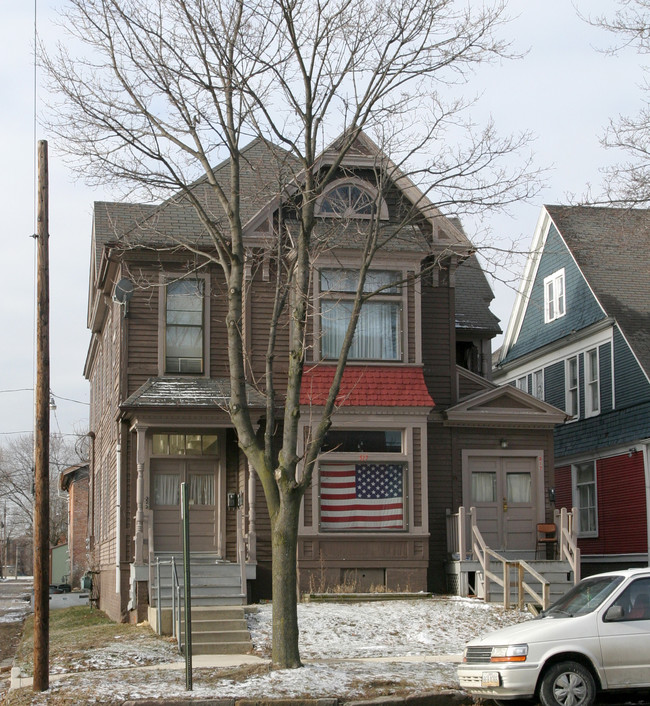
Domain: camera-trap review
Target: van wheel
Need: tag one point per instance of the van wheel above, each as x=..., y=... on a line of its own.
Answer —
x=567, y=684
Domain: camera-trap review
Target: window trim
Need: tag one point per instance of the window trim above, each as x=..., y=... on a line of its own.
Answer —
x=336, y=296
x=574, y=489
x=558, y=299
x=592, y=383
x=402, y=458
x=537, y=376
x=169, y=278
x=363, y=185
x=567, y=365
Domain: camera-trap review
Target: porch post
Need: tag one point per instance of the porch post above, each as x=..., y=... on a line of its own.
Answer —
x=251, y=535
x=139, y=496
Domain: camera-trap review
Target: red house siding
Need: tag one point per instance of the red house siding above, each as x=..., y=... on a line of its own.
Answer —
x=620, y=488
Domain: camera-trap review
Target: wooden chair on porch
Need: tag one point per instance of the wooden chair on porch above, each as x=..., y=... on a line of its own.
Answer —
x=546, y=537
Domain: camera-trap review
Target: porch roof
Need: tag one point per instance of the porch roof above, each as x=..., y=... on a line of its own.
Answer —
x=367, y=386
x=189, y=392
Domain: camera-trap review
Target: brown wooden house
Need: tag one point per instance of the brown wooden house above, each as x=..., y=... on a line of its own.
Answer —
x=418, y=423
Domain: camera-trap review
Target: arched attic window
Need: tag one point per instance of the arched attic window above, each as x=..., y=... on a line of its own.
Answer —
x=351, y=198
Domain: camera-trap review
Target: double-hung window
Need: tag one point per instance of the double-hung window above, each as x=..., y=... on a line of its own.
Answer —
x=554, y=296
x=379, y=330
x=592, y=382
x=538, y=384
x=571, y=386
x=584, y=495
x=522, y=383
x=184, y=323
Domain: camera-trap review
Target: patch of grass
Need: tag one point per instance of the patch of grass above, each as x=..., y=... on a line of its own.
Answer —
x=75, y=633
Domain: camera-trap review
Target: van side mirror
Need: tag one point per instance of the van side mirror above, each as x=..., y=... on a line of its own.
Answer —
x=614, y=613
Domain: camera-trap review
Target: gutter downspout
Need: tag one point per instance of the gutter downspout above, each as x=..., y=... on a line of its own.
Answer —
x=646, y=473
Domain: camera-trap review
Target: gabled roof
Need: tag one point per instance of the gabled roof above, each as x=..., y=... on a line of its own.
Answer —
x=267, y=172
x=504, y=406
x=263, y=168
x=611, y=248
x=367, y=386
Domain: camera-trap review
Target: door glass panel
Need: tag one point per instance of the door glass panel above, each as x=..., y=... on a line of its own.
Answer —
x=201, y=489
x=484, y=487
x=166, y=489
x=161, y=444
x=209, y=443
x=193, y=443
x=177, y=444
x=519, y=487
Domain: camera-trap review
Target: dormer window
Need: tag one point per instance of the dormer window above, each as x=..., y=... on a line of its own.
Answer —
x=351, y=199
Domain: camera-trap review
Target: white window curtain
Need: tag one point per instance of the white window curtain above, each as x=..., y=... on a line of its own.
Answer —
x=519, y=487
x=201, y=489
x=376, y=336
x=484, y=487
x=166, y=489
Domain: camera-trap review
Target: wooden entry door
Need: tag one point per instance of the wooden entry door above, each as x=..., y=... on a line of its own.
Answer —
x=503, y=489
x=201, y=478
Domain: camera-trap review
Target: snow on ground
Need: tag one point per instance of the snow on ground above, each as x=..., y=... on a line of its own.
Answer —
x=350, y=650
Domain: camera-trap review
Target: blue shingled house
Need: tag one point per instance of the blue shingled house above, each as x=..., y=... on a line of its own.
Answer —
x=579, y=338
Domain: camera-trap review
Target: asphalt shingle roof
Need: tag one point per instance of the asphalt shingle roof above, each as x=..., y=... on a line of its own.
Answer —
x=367, y=386
x=612, y=248
x=188, y=392
x=473, y=296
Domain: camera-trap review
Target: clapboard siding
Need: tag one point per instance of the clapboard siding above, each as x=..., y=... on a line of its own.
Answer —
x=631, y=385
x=438, y=343
x=582, y=309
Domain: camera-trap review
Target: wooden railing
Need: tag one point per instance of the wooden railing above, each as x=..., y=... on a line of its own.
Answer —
x=464, y=541
x=568, y=539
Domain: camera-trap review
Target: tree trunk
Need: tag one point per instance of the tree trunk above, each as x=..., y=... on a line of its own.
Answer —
x=284, y=542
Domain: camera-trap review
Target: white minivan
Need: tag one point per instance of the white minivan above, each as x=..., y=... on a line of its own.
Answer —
x=595, y=638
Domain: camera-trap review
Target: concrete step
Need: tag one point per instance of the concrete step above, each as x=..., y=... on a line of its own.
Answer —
x=222, y=648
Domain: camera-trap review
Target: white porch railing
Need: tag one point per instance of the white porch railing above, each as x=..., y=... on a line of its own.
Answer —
x=464, y=541
x=568, y=539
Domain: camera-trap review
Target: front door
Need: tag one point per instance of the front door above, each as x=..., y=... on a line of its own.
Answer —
x=503, y=491
x=166, y=478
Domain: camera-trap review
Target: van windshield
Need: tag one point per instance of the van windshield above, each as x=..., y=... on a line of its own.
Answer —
x=583, y=598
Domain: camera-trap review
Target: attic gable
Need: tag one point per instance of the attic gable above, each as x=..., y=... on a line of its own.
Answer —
x=504, y=406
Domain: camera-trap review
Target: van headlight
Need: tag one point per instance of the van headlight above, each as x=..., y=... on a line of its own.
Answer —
x=509, y=653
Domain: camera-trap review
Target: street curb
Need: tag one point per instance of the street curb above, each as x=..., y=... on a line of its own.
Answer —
x=434, y=698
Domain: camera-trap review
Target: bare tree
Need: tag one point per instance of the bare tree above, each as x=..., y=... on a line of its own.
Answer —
x=17, y=485
x=628, y=183
x=160, y=91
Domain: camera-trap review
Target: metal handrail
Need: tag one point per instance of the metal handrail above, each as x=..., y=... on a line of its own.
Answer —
x=177, y=599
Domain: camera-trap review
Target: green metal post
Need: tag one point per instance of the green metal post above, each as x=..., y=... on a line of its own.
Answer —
x=185, y=507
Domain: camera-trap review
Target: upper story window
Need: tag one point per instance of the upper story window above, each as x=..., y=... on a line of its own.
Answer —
x=378, y=332
x=351, y=199
x=554, y=296
x=184, y=324
x=538, y=384
x=571, y=385
x=592, y=382
x=522, y=383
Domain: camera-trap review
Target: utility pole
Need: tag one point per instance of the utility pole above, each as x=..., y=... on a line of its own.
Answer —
x=42, y=435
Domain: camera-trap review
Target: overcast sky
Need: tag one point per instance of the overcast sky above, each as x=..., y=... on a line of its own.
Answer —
x=563, y=90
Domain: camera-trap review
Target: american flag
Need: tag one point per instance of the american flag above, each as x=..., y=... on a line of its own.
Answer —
x=362, y=496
